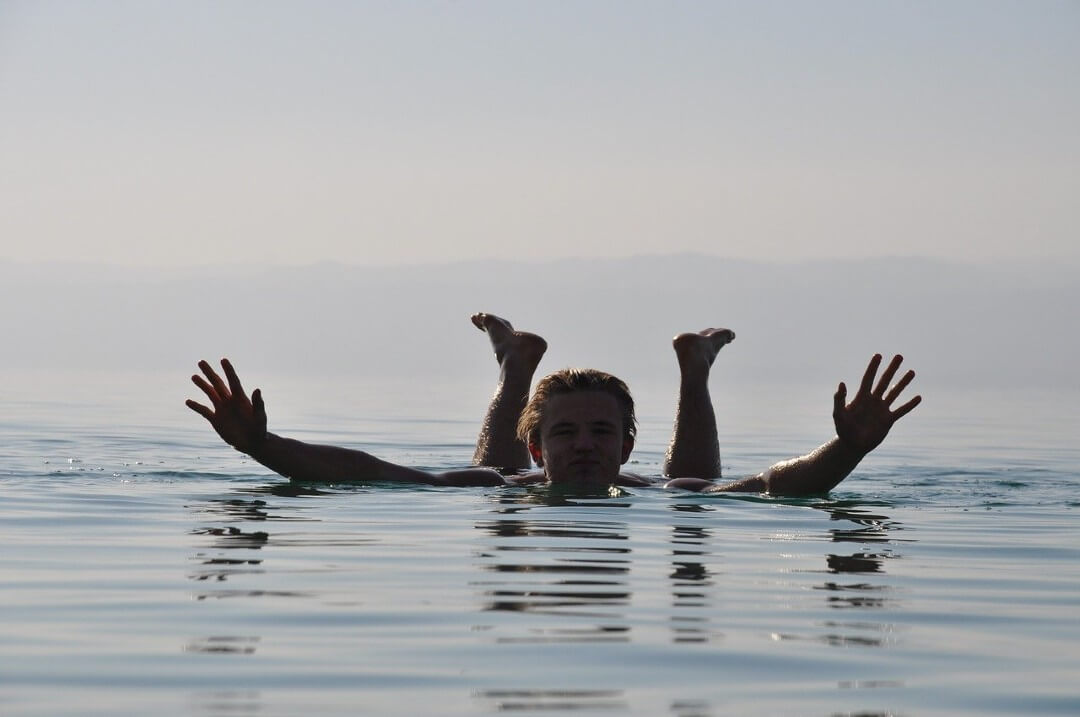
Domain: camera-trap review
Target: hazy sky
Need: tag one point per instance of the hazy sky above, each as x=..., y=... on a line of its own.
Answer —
x=170, y=133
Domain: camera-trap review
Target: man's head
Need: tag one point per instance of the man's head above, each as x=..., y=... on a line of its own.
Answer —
x=579, y=426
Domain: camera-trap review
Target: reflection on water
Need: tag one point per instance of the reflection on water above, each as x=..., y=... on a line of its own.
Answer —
x=573, y=569
x=863, y=527
x=552, y=700
x=690, y=708
x=223, y=645
x=575, y=575
x=233, y=538
x=287, y=489
x=580, y=568
x=224, y=594
x=872, y=528
x=221, y=569
x=551, y=570
x=581, y=701
x=227, y=702
x=856, y=563
x=691, y=579
x=243, y=509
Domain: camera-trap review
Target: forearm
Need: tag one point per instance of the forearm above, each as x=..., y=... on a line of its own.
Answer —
x=319, y=463
x=814, y=473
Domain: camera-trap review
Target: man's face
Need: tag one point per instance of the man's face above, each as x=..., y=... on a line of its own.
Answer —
x=581, y=439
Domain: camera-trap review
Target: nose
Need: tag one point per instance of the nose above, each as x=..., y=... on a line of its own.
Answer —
x=583, y=441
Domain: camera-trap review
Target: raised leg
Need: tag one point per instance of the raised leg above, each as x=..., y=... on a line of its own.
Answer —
x=695, y=449
x=518, y=354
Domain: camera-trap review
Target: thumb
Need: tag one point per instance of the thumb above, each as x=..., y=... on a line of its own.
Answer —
x=258, y=405
x=839, y=399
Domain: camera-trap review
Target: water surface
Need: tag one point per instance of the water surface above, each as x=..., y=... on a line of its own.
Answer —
x=150, y=569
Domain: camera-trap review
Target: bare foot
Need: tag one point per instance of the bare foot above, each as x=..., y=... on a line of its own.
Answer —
x=697, y=351
x=510, y=345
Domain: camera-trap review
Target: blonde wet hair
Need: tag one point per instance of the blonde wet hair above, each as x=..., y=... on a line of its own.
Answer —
x=574, y=380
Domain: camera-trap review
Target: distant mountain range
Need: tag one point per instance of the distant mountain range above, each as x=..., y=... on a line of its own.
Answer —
x=964, y=325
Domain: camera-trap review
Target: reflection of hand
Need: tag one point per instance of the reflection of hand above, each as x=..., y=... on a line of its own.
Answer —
x=240, y=422
x=863, y=424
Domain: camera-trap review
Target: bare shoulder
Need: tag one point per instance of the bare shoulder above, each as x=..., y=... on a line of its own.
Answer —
x=531, y=478
x=469, y=477
x=632, y=479
x=753, y=484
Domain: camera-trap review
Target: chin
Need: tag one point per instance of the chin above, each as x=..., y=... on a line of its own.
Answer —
x=580, y=487
x=591, y=477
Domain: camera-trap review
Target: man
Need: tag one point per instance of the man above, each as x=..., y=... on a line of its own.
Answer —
x=578, y=427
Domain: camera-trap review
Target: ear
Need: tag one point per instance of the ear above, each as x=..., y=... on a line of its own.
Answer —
x=537, y=454
x=627, y=449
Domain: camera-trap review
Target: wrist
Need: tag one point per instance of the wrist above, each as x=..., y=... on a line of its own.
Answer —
x=849, y=449
x=256, y=445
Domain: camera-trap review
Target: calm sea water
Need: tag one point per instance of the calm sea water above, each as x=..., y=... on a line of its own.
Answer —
x=148, y=569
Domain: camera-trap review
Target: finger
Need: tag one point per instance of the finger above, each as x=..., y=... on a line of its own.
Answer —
x=214, y=379
x=234, y=380
x=200, y=409
x=871, y=371
x=890, y=371
x=900, y=386
x=207, y=389
x=258, y=405
x=839, y=399
x=906, y=408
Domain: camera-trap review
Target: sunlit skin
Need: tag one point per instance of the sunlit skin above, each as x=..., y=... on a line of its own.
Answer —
x=582, y=440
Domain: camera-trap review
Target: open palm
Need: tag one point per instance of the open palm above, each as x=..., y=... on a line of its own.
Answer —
x=864, y=423
x=239, y=421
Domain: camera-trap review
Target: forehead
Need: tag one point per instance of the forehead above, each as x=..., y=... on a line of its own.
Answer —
x=582, y=407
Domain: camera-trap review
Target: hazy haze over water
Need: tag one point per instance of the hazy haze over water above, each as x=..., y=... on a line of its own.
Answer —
x=799, y=322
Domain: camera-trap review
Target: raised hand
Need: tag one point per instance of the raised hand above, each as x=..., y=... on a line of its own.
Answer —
x=239, y=421
x=863, y=424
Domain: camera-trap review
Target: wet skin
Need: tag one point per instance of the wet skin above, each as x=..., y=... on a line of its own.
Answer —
x=582, y=440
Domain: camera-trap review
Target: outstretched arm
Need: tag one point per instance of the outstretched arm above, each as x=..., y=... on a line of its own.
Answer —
x=861, y=426
x=241, y=422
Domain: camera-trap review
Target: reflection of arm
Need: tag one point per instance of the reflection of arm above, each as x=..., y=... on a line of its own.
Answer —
x=860, y=427
x=241, y=422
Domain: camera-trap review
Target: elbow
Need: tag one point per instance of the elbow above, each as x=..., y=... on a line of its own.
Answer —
x=783, y=483
x=779, y=486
